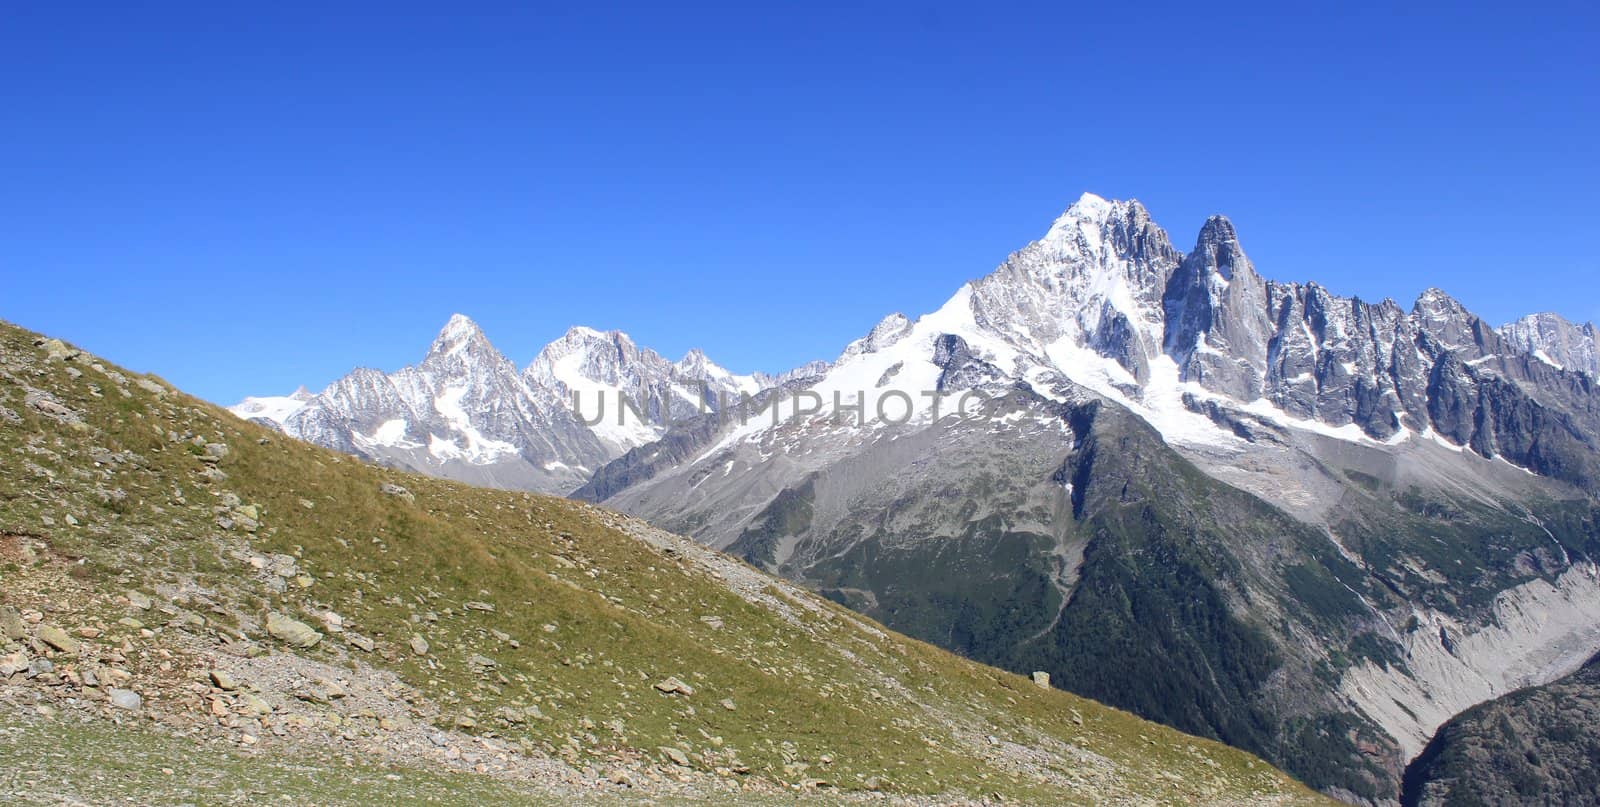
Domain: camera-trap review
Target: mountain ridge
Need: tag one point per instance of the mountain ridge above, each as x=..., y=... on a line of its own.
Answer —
x=194, y=607
x=1420, y=485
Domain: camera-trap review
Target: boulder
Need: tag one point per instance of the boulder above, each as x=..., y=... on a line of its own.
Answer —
x=125, y=699
x=11, y=624
x=291, y=632
x=223, y=681
x=672, y=686
x=58, y=639
x=391, y=489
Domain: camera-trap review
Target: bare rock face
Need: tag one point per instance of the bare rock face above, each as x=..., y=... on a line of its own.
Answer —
x=1217, y=319
x=1557, y=342
x=1533, y=746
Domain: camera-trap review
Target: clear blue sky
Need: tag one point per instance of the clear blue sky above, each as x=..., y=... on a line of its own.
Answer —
x=246, y=197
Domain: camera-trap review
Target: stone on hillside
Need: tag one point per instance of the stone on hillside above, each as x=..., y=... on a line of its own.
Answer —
x=391, y=489
x=715, y=622
x=58, y=639
x=12, y=664
x=291, y=632
x=223, y=681
x=57, y=350
x=419, y=645
x=677, y=755
x=11, y=625
x=727, y=703
x=360, y=642
x=49, y=407
x=140, y=600
x=125, y=699
x=479, y=606
x=673, y=686
x=1041, y=680
x=254, y=705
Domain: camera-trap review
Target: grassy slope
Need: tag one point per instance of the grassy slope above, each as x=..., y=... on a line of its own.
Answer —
x=599, y=614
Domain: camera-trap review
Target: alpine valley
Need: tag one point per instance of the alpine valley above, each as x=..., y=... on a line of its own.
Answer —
x=1310, y=526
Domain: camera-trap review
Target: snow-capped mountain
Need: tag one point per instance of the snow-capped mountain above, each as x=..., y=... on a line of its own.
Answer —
x=1104, y=301
x=1557, y=342
x=1106, y=422
x=1349, y=520
x=592, y=371
x=466, y=411
x=272, y=409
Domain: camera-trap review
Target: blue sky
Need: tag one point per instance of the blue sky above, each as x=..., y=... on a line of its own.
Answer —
x=246, y=197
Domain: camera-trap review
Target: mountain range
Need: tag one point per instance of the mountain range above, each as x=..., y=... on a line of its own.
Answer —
x=466, y=412
x=194, y=609
x=1308, y=525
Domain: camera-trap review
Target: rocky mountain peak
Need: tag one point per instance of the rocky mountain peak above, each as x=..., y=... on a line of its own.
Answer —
x=1217, y=249
x=1435, y=304
x=1556, y=341
x=460, y=338
x=1089, y=223
x=889, y=330
x=697, y=366
x=610, y=357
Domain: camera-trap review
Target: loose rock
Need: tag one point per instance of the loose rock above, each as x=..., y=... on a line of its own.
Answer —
x=58, y=639
x=11, y=625
x=291, y=632
x=125, y=699
x=673, y=686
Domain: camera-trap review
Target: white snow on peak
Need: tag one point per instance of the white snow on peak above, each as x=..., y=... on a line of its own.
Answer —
x=696, y=365
x=586, y=332
x=456, y=335
x=390, y=434
x=888, y=331
x=479, y=449
x=274, y=408
x=599, y=405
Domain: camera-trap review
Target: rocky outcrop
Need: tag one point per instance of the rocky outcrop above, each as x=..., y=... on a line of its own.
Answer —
x=1535, y=746
x=1536, y=633
x=1557, y=342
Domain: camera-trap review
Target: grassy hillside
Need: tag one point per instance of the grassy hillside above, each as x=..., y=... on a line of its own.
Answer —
x=281, y=607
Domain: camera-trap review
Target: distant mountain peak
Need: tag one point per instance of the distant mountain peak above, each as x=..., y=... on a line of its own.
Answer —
x=1556, y=341
x=458, y=335
x=1217, y=230
x=1093, y=213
